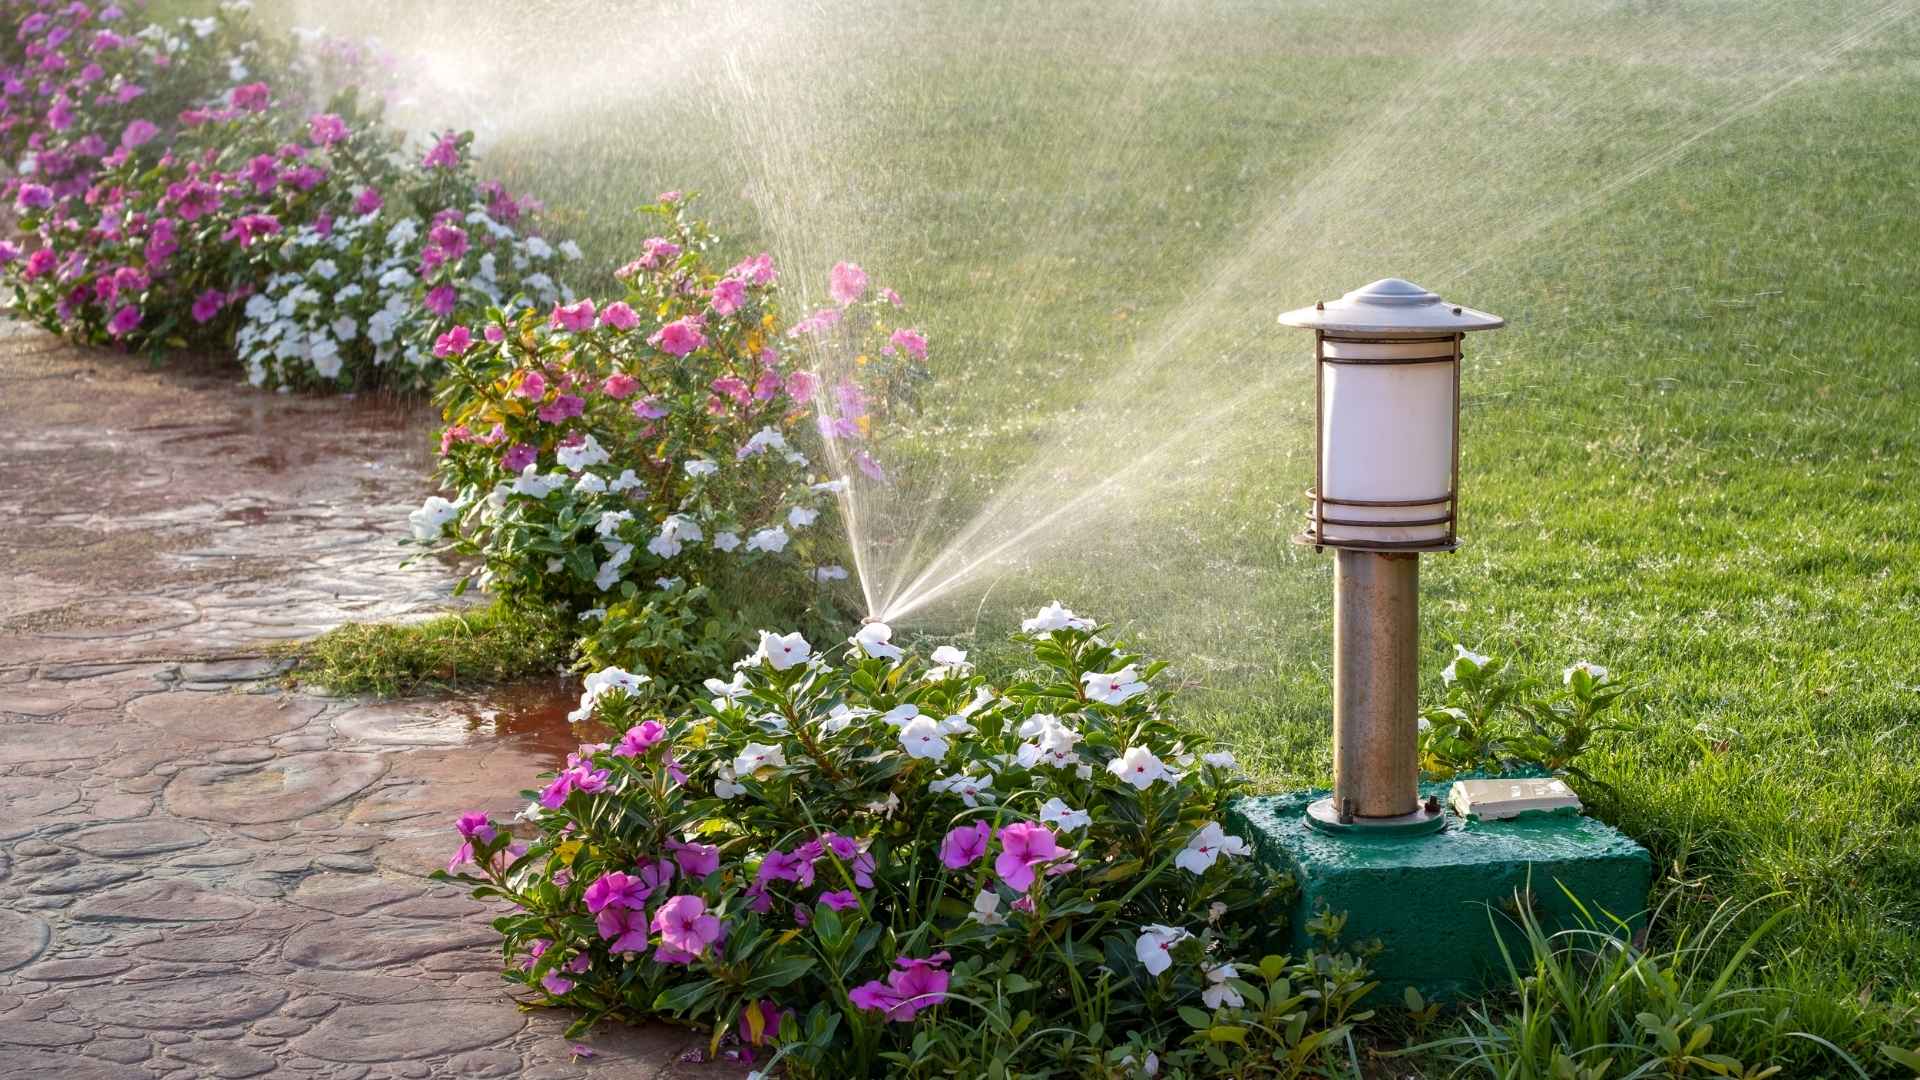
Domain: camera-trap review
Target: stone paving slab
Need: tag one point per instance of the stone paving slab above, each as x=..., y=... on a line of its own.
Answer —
x=202, y=875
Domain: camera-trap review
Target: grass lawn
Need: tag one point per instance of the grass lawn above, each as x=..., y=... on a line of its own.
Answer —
x=1693, y=456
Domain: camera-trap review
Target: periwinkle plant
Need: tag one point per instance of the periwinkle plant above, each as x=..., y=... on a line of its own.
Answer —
x=879, y=864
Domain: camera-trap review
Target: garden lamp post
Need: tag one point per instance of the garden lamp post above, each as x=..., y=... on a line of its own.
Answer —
x=1386, y=488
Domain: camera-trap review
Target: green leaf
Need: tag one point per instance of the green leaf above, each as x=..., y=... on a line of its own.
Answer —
x=1195, y=1018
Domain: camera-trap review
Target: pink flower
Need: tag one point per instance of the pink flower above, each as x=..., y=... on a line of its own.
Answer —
x=728, y=295
x=625, y=928
x=770, y=1014
x=840, y=900
x=207, y=305
x=138, y=133
x=965, y=845
x=248, y=228
x=915, y=985
x=614, y=890
x=619, y=385
x=495, y=333
x=252, y=97
x=533, y=385
x=34, y=197
x=656, y=252
x=124, y=321
x=9, y=252
x=696, y=860
x=679, y=337
x=562, y=408
x=668, y=197
x=445, y=153
x=1024, y=845
x=368, y=201
x=910, y=341
x=649, y=408
x=756, y=271
x=784, y=866
x=640, y=738
x=575, y=317
x=824, y=319
x=450, y=239
x=453, y=343
x=518, y=457
x=161, y=243
x=892, y=298
x=867, y=465
x=733, y=387
x=326, y=129
x=619, y=316
x=655, y=875
x=766, y=386
x=40, y=262
x=801, y=385
x=440, y=300
x=304, y=178
x=846, y=283
x=684, y=925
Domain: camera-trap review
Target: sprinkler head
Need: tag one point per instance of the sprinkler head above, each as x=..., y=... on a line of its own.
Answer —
x=870, y=619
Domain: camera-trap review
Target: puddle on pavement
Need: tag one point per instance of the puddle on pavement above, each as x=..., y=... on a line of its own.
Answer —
x=528, y=718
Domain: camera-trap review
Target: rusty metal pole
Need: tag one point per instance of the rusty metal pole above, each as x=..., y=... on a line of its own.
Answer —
x=1376, y=681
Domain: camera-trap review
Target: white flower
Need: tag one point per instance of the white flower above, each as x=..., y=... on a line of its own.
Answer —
x=327, y=269
x=609, y=572
x=950, y=657
x=726, y=693
x=842, y=716
x=1052, y=743
x=1154, y=944
x=783, y=651
x=1220, y=759
x=589, y=484
x=530, y=482
x=832, y=487
x=676, y=530
x=431, y=519
x=1207, y=844
x=583, y=454
x=601, y=682
x=986, y=909
x=884, y=807
x=756, y=756
x=539, y=248
x=764, y=438
x=899, y=715
x=1592, y=669
x=1218, y=993
x=872, y=640
x=727, y=541
x=1054, y=617
x=1449, y=673
x=699, y=467
x=1216, y=911
x=774, y=539
x=344, y=328
x=921, y=738
x=1063, y=817
x=1138, y=767
x=592, y=614
x=571, y=250
x=824, y=574
x=610, y=522
x=204, y=27
x=325, y=355
x=1114, y=687
x=800, y=517
x=627, y=481
x=259, y=308
x=723, y=784
x=972, y=790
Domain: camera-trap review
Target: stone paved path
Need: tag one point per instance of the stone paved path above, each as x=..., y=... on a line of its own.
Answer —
x=202, y=875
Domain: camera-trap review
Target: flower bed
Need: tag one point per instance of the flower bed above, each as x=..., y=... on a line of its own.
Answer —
x=661, y=465
x=179, y=188
x=883, y=865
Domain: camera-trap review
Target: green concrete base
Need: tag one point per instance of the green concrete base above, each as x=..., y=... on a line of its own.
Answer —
x=1428, y=898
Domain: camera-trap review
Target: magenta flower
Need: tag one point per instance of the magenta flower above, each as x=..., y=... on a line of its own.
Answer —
x=684, y=925
x=445, y=153
x=728, y=295
x=614, y=890
x=252, y=97
x=450, y=239
x=893, y=298
x=695, y=860
x=619, y=385
x=846, y=283
x=9, y=252
x=518, y=457
x=915, y=985
x=655, y=875
x=647, y=408
x=770, y=1014
x=474, y=825
x=965, y=845
x=562, y=408
x=756, y=271
x=138, y=133
x=34, y=197
x=840, y=900
x=1024, y=845
x=801, y=385
x=619, y=316
x=656, y=252
x=368, y=201
x=440, y=300
x=453, y=343
x=575, y=317
x=194, y=199
x=124, y=321
x=533, y=386
x=782, y=866
x=326, y=129
x=871, y=468
x=679, y=337
x=910, y=342
x=42, y=261
x=248, y=228
x=496, y=333
x=640, y=738
x=734, y=387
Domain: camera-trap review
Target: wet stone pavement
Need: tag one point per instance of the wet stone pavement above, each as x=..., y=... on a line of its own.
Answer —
x=201, y=874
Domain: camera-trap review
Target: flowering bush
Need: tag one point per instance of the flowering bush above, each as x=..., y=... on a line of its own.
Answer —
x=637, y=461
x=1494, y=720
x=174, y=179
x=888, y=866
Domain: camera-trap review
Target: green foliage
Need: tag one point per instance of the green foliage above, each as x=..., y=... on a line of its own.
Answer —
x=483, y=645
x=1494, y=720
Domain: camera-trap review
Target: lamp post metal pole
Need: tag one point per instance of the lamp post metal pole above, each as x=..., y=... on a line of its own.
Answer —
x=1376, y=678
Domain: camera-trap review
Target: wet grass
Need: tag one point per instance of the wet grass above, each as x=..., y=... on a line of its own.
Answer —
x=1694, y=455
x=481, y=646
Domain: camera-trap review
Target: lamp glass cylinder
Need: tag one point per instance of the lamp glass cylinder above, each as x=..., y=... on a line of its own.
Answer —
x=1387, y=441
